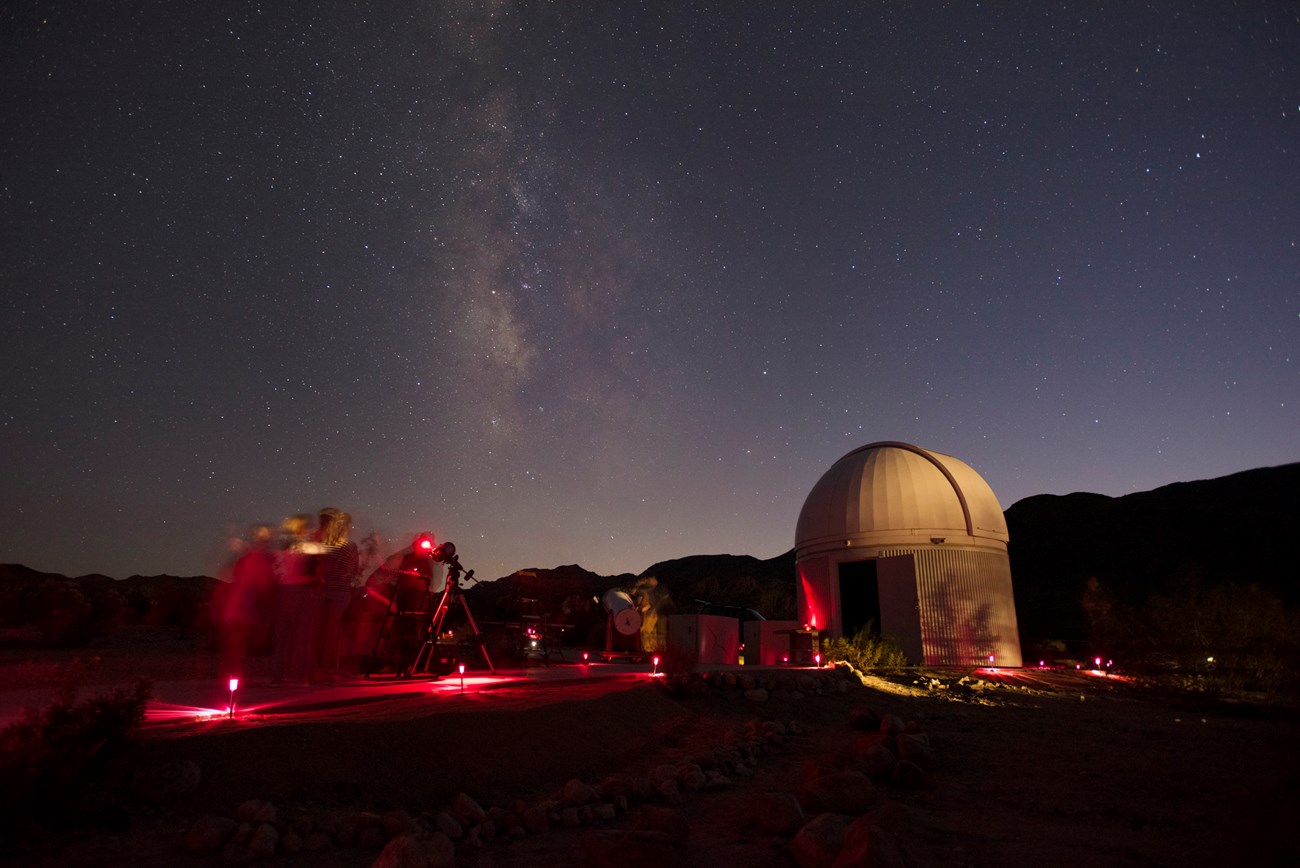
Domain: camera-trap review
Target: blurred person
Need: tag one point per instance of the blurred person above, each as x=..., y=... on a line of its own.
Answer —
x=405, y=584
x=339, y=565
x=296, y=577
x=244, y=609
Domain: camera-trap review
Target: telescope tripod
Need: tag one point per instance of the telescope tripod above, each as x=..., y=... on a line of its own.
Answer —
x=451, y=595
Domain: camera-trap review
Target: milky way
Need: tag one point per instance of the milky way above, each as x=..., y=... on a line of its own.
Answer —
x=616, y=283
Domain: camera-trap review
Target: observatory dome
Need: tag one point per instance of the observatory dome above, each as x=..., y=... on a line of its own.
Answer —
x=891, y=492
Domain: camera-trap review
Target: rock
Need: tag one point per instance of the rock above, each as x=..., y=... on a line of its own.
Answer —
x=616, y=785
x=569, y=818
x=291, y=843
x=891, y=724
x=209, y=833
x=371, y=837
x=717, y=781
x=820, y=840
x=661, y=773
x=879, y=763
x=410, y=851
x=869, y=846
x=576, y=792
x=670, y=821
x=398, y=824
x=256, y=811
x=604, y=811
x=758, y=694
x=467, y=811
x=615, y=849
x=265, y=840
x=670, y=791
x=863, y=718
x=776, y=813
x=448, y=825
x=910, y=776
x=844, y=792
x=691, y=777
x=915, y=747
x=742, y=771
x=537, y=819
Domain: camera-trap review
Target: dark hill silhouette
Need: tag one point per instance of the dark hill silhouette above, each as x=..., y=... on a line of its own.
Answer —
x=1214, y=532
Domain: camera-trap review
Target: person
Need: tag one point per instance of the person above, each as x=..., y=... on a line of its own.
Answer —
x=295, y=581
x=339, y=565
x=400, y=593
x=252, y=578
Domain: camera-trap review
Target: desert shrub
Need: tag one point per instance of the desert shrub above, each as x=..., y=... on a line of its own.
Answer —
x=54, y=761
x=66, y=613
x=1221, y=637
x=866, y=650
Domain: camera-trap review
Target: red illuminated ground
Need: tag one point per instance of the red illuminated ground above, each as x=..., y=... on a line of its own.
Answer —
x=1044, y=769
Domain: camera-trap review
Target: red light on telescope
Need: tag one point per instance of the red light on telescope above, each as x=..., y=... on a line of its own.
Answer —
x=424, y=544
x=234, y=684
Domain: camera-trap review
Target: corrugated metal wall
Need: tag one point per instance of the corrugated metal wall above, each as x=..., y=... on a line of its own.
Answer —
x=967, y=607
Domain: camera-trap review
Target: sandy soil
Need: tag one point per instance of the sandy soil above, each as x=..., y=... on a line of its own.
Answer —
x=1063, y=770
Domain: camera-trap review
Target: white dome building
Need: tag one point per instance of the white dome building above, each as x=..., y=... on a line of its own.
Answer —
x=915, y=543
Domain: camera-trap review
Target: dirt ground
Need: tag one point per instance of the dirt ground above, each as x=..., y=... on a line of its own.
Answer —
x=1062, y=770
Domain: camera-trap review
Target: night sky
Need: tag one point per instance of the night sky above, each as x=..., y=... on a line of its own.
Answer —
x=608, y=283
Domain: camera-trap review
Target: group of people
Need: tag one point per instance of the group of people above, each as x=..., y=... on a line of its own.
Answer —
x=298, y=587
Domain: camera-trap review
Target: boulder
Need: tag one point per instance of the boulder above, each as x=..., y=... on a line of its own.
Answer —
x=818, y=843
x=691, y=777
x=915, y=747
x=869, y=846
x=864, y=719
x=576, y=792
x=843, y=792
x=399, y=823
x=410, y=851
x=616, y=785
x=879, y=763
x=776, y=813
x=448, y=825
x=909, y=776
x=537, y=819
x=209, y=833
x=256, y=811
x=467, y=811
x=265, y=840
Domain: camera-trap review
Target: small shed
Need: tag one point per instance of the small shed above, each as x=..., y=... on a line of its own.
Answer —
x=913, y=544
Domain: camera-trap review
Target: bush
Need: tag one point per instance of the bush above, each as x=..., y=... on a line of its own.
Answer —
x=1222, y=637
x=866, y=650
x=54, y=761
